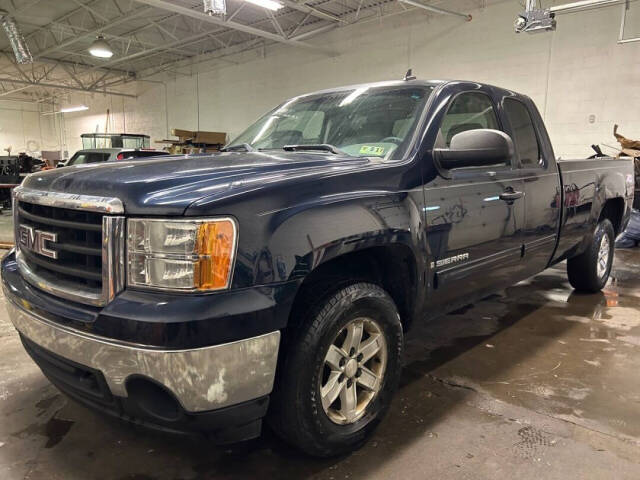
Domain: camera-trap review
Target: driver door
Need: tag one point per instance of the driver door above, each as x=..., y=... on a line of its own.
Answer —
x=474, y=236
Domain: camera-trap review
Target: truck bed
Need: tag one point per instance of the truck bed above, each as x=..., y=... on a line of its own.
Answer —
x=584, y=194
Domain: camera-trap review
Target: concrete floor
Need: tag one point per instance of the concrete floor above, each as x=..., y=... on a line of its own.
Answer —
x=536, y=382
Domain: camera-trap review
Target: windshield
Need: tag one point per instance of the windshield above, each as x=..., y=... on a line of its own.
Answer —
x=365, y=122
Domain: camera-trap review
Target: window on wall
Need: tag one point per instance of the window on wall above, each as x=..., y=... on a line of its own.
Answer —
x=524, y=134
x=468, y=111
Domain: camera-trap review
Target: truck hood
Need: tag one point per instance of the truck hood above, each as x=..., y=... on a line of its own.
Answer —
x=168, y=186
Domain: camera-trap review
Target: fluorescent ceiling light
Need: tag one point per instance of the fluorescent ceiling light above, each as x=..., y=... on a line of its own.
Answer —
x=74, y=109
x=269, y=4
x=100, y=48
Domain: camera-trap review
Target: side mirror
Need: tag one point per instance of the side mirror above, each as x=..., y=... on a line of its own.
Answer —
x=476, y=148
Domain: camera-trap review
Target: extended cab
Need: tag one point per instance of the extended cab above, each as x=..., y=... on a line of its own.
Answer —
x=276, y=279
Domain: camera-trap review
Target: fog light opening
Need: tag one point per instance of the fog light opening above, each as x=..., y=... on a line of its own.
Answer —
x=153, y=400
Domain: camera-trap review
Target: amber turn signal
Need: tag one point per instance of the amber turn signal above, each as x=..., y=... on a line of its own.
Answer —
x=215, y=248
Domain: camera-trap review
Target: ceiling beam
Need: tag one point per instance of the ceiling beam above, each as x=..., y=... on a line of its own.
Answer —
x=75, y=30
x=85, y=66
x=316, y=12
x=91, y=11
x=58, y=20
x=24, y=7
x=15, y=90
x=441, y=11
x=114, y=23
x=73, y=76
x=200, y=15
x=217, y=54
x=65, y=87
x=159, y=48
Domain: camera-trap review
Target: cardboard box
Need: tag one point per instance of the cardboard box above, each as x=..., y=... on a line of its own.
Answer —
x=212, y=138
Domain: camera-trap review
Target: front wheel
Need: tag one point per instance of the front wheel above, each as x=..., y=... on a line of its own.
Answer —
x=340, y=372
x=589, y=271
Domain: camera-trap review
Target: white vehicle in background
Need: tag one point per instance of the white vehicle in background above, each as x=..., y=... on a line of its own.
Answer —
x=97, y=155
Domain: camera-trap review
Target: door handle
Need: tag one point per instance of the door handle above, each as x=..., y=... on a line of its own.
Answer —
x=511, y=195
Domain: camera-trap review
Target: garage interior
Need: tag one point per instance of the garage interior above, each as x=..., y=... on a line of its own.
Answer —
x=535, y=381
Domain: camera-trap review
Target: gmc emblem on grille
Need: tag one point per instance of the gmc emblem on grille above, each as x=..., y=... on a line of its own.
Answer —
x=36, y=240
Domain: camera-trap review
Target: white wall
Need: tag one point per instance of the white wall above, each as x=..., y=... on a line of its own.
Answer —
x=573, y=73
x=23, y=128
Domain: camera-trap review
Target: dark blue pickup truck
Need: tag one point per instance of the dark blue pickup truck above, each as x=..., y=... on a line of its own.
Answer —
x=275, y=280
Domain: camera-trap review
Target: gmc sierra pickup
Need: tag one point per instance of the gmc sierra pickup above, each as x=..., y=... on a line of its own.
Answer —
x=276, y=279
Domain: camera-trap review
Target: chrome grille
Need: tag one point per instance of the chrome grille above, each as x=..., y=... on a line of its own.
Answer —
x=81, y=258
x=78, y=245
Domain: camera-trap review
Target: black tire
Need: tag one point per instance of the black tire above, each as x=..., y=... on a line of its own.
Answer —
x=297, y=414
x=583, y=269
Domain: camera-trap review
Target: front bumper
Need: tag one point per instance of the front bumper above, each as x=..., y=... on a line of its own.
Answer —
x=198, y=387
x=200, y=379
x=148, y=406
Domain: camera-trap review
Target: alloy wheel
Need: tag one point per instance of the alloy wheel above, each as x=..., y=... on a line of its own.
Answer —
x=353, y=370
x=603, y=256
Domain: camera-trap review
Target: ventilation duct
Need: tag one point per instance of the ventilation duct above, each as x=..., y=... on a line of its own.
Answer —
x=215, y=7
x=17, y=41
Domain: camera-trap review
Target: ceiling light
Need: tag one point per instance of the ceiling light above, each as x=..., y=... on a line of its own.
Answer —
x=270, y=4
x=215, y=7
x=74, y=109
x=100, y=48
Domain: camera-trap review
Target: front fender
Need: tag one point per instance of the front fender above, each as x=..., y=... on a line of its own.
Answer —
x=290, y=226
x=309, y=235
x=289, y=242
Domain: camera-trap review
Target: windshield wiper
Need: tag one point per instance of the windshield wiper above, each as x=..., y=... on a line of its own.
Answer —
x=240, y=146
x=325, y=147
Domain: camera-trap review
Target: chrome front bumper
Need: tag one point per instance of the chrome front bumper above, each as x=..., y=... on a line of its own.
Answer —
x=201, y=379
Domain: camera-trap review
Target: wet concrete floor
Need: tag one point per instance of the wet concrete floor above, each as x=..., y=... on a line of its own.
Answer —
x=534, y=382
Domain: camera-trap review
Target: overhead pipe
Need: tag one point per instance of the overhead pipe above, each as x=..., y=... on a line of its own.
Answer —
x=583, y=5
x=16, y=40
x=305, y=35
x=442, y=11
x=589, y=4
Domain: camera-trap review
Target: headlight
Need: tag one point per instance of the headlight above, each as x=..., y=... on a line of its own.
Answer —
x=182, y=255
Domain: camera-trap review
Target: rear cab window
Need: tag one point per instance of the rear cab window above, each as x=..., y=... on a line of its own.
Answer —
x=525, y=138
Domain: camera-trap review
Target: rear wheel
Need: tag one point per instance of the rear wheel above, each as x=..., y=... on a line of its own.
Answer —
x=340, y=372
x=590, y=270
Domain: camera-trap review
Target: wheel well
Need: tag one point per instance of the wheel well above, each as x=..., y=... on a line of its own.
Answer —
x=613, y=210
x=391, y=267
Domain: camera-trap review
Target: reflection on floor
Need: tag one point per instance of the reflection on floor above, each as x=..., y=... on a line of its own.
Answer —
x=536, y=382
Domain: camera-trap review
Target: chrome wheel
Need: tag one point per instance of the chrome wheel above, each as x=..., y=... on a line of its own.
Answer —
x=603, y=256
x=353, y=370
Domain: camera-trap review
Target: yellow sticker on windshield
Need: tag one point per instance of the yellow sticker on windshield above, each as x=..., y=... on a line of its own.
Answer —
x=371, y=150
